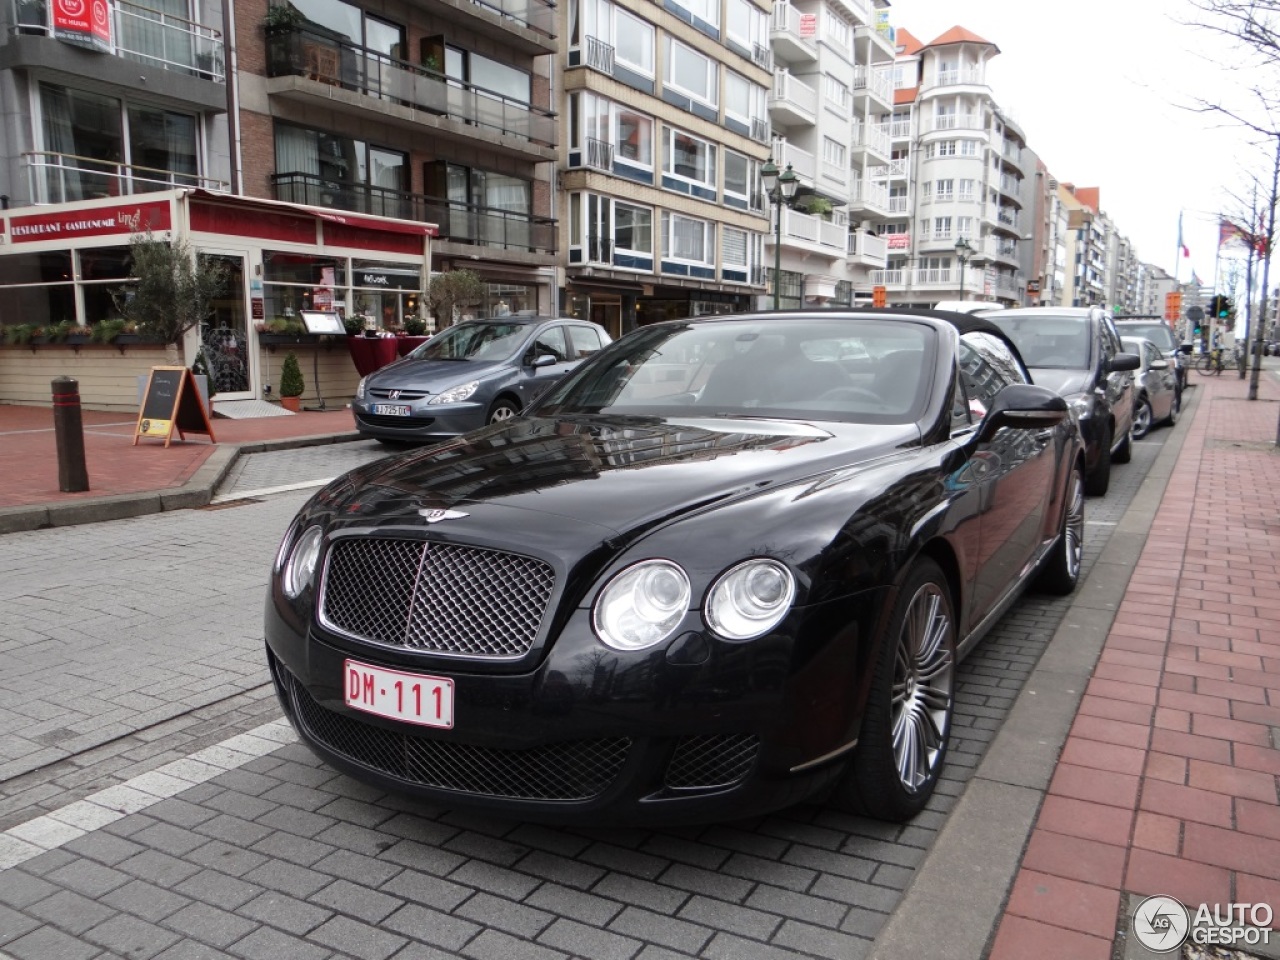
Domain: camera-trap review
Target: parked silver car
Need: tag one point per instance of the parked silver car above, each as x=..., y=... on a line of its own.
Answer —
x=1156, y=397
x=474, y=373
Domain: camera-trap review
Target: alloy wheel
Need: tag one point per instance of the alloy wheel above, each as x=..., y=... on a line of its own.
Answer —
x=923, y=682
x=1073, y=529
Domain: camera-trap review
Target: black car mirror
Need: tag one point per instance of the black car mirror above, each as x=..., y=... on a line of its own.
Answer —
x=1124, y=361
x=1023, y=406
x=543, y=360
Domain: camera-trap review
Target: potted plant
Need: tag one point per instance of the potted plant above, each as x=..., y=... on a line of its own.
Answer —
x=448, y=290
x=353, y=323
x=18, y=335
x=415, y=327
x=106, y=331
x=78, y=334
x=291, y=384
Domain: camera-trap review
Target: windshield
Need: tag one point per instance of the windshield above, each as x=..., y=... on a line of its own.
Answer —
x=474, y=341
x=843, y=369
x=1157, y=333
x=1048, y=342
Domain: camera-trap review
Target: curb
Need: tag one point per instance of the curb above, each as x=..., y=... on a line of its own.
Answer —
x=964, y=881
x=196, y=492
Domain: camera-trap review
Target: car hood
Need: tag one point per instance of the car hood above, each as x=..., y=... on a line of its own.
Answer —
x=619, y=474
x=1062, y=382
x=432, y=376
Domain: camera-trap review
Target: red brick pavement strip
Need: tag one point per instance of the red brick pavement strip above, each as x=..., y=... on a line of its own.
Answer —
x=29, y=460
x=1169, y=779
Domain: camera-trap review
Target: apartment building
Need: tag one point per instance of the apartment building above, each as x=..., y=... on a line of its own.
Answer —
x=964, y=172
x=832, y=84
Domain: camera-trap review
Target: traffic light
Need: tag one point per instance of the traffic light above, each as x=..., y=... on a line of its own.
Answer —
x=1220, y=306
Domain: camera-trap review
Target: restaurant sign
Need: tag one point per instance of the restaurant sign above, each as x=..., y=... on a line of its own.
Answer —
x=95, y=222
x=86, y=23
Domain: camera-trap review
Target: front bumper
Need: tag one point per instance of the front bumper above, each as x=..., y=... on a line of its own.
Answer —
x=425, y=422
x=697, y=729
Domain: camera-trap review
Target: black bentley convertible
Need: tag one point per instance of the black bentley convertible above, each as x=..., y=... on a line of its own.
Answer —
x=725, y=564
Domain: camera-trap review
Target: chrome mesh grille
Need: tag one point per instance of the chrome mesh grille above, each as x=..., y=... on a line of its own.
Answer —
x=436, y=596
x=574, y=770
x=713, y=761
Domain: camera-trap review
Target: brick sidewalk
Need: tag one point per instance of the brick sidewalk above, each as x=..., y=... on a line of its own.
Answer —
x=29, y=464
x=1167, y=783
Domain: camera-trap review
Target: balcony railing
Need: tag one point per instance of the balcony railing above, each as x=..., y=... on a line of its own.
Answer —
x=599, y=154
x=802, y=161
x=458, y=222
x=599, y=55
x=900, y=129
x=786, y=22
x=956, y=121
x=296, y=51
x=868, y=246
x=813, y=231
x=796, y=94
x=899, y=204
x=762, y=56
x=148, y=36
x=877, y=82
x=60, y=177
x=950, y=78
x=534, y=14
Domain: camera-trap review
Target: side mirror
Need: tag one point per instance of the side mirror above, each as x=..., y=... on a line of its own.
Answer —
x=1124, y=361
x=543, y=360
x=1023, y=406
x=1159, y=365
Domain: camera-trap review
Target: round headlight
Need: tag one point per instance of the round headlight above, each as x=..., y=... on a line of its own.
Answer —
x=301, y=568
x=642, y=605
x=750, y=600
x=456, y=394
x=282, y=554
x=360, y=388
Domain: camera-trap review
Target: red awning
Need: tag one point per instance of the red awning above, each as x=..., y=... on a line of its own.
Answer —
x=356, y=220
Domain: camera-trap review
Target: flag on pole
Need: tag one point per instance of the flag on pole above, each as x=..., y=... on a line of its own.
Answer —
x=1228, y=231
x=1195, y=280
x=1182, y=246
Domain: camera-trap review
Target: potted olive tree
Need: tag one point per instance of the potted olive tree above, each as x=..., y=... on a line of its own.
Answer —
x=449, y=290
x=291, y=384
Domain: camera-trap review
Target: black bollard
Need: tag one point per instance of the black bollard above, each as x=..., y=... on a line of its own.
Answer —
x=68, y=434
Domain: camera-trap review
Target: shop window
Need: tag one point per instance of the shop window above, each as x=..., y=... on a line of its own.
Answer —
x=37, y=289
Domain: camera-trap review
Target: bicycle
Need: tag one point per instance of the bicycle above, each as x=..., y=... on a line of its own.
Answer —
x=1211, y=363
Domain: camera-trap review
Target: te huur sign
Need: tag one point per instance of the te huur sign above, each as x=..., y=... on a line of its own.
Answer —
x=171, y=402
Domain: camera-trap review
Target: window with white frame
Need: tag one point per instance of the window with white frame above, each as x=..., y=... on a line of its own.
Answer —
x=968, y=148
x=838, y=30
x=742, y=181
x=946, y=189
x=946, y=148
x=746, y=25
x=740, y=254
x=942, y=228
x=708, y=11
x=837, y=93
x=744, y=101
x=964, y=226
x=689, y=158
x=605, y=230
x=688, y=239
x=926, y=190
x=633, y=42
x=692, y=73
x=834, y=152
x=966, y=190
x=630, y=37
x=626, y=133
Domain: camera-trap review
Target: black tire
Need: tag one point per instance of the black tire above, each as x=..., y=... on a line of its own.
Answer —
x=503, y=410
x=1099, y=478
x=1141, y=418
x=903, y=742
x=1124, y=452
x=1175, y=410
x=1061, y=570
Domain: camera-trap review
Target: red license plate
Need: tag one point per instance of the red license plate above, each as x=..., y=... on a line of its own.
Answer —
x=396, y=695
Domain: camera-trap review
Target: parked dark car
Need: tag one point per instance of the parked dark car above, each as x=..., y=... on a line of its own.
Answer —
x=1157, y=398
x=471, y=374
x=728, y=562
x=1158, y=331
x=1076, y=351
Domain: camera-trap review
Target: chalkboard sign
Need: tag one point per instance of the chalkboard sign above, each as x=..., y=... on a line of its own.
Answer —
x=171, y=402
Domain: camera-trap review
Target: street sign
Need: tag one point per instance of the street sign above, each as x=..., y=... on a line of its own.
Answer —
x=1195, y=314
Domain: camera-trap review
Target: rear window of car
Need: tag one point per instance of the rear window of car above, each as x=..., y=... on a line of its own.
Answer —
x=1157, y=333
x=1049, y=342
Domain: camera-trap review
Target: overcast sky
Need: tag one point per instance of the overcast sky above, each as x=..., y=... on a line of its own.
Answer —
x=1100, y=88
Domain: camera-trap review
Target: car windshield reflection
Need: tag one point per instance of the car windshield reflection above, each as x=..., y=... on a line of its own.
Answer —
x=868, y=371
x=1048, y=342
x=481, y=342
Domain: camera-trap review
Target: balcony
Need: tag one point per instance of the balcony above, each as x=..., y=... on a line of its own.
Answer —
x=1000, y=248
x=802, y=161
x=969, y=76
x=599, y=55
x=147, y=36
x=60, y=177
x=786, y=36
x=954, y=121
x=900, y=130
x=868, y=249
x=792, y=101
x=876, y=83
x=869, y=195
x=318, y=69
x=1010, y=186
x=812, y=233
x=872, y=138
x=517, y=16
x=899, y=204
x=459, y=222
x=598, y=155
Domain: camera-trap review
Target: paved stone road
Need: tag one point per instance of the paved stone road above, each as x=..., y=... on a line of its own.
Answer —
x=273, y=855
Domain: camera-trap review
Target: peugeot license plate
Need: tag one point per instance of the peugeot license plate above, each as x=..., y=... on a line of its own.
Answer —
x=410, y=697
x=391, y=409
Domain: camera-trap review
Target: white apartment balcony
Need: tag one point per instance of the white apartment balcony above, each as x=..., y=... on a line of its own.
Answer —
x=953, y=121
x=804, y=231
x=900, y=130
x=60, y=177
x=893, y=170
x=899, y=204
x=999, y=248
x=1008, y=285
x=868, y=250
x=792, y=101
x=935, y=281
x=968, y=77
x=879, y=42
x=868, y=195
x=1010, y=186
x=874, y=83
x=786, y=38
x=872, y=139
x=802, y=161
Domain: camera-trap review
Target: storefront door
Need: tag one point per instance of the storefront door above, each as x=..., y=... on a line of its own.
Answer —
x=224, y=337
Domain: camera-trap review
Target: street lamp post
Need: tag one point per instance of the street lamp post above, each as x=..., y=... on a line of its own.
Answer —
x=781, y=190
x=963, y=251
